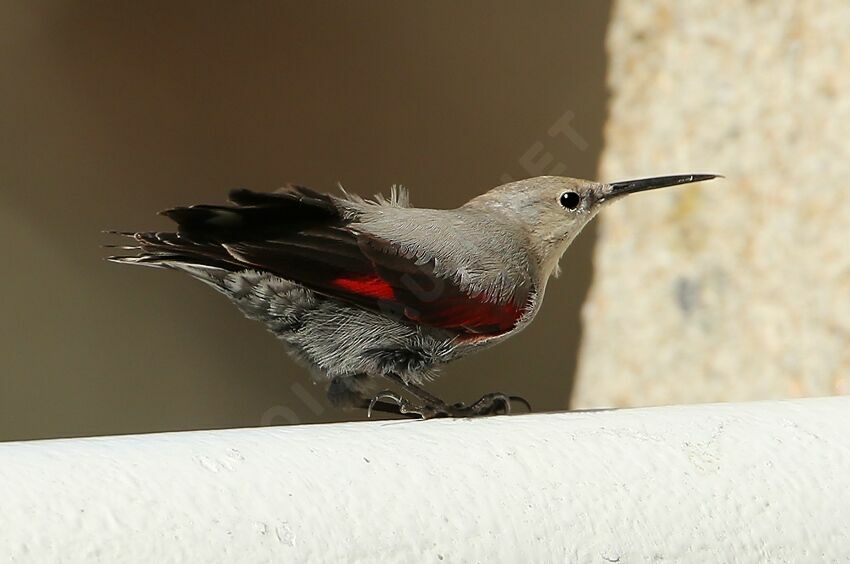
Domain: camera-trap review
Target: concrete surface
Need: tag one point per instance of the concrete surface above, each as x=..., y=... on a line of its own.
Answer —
x=755, y=482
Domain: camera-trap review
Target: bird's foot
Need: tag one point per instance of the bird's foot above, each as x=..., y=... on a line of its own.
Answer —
x=405, y=407
x=495, y=403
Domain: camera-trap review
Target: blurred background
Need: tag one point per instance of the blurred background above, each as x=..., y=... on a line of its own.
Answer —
x=112, y=111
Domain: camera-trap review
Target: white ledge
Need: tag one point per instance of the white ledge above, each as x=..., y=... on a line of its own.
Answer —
x=767, y=481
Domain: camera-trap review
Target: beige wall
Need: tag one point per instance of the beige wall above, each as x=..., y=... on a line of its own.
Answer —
x=112, y=111
x=735, y=289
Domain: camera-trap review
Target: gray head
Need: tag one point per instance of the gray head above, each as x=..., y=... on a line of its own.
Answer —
x=552, y=210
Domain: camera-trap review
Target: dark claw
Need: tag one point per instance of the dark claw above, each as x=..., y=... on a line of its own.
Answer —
x=521, y=400
x=493, y=403
x=386, y=395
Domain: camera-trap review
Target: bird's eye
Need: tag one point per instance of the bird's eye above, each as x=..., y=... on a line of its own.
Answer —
x=570, y=200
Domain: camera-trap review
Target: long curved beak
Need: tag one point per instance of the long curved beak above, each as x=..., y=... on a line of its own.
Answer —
x=619, y=189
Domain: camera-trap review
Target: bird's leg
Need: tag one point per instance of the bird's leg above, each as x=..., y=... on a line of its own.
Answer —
x=415, y=390
x=347, y=392
x=432, y=406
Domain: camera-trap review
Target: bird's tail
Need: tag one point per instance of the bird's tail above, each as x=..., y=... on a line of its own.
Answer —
x=170, y=250
x=204, y=230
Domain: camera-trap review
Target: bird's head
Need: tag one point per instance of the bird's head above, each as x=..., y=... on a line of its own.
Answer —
x=552, y=210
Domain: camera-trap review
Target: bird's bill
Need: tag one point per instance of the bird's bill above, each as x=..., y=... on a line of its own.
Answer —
x=619, y=189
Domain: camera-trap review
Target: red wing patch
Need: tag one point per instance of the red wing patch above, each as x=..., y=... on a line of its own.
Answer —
x=366, y=286
x=475, y=316
x=454, y=312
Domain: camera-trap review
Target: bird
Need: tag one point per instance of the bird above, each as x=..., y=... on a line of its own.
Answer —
x=375, y=296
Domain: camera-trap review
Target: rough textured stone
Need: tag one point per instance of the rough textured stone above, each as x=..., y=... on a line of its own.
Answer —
x=738, y=288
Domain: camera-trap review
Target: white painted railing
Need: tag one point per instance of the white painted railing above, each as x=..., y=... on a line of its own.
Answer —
x=755, y=482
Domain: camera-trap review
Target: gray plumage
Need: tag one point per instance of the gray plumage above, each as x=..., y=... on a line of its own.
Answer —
x=362, y=289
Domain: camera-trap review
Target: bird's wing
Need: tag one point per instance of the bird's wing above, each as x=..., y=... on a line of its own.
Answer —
x=307, y=237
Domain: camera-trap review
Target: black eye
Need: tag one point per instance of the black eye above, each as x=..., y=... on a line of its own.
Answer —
x=570, y=200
